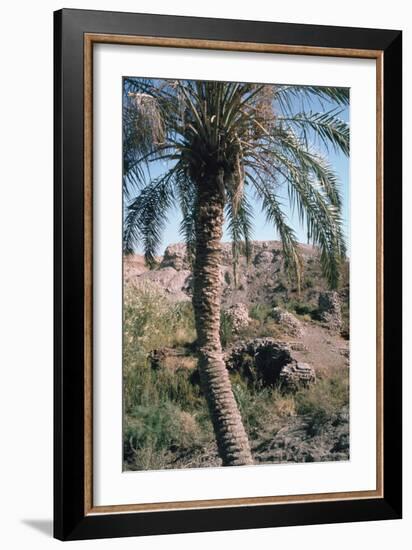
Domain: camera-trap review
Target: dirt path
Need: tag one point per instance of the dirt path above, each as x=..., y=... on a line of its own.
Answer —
x=321, y=348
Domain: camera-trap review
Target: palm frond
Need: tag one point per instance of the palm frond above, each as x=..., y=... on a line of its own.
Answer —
x=272, y=207
x=187, y=199
x=240, y=228
x=326, y=126
x=323, y=219
x=288, y=95
x=294, y=155
x=147, y=216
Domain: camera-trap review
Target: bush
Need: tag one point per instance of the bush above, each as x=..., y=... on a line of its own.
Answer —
x=226, y=329
x=164, y=414
x=284, y=405
x=304, y=309
x=152, y=321
x=160, y=406
x=345, y=330
x=145, y=386
x=253, y=406
x=309, y=283
x=260, y=312
x=154, y=431
x=324, y=400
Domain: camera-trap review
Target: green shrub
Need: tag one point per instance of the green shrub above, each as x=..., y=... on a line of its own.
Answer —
x=152, y=321
x=345, y=330
x=260, y=312
x=252, y=407
x=226, y=329
x=322, y=401
x=261, y=408
x=159, y=404
x=145, y=386
x=301, y=308
x=161, y=411
x=154, y=431
x=308, y=283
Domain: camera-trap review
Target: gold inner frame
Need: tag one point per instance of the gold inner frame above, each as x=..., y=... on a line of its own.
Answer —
x=89, y=40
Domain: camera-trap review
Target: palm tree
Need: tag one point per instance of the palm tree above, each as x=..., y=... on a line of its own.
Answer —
x=215, y=143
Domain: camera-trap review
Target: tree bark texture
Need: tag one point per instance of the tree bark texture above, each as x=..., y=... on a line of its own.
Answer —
x=231, y=437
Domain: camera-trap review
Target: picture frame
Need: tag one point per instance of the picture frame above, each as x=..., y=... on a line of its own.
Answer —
x=76, y=32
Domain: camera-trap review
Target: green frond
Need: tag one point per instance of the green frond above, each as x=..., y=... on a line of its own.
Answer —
x=288, y=95
x=323, y=221
x=187, y=199
x=327, y=127
x=272, y=207
x=295, y=157
x=240, y=228
x=147, y=216
x=338, y=95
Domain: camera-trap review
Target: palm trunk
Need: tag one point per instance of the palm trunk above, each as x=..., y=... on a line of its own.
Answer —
x=232, y=441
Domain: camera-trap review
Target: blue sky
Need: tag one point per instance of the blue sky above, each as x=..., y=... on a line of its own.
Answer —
x=262, y=229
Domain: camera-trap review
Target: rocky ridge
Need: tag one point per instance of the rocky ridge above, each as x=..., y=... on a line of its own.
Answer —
x=261, y=280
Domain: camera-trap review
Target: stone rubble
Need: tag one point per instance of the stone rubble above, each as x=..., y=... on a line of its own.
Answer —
x=238, y=315
x=266, y=361
x=288, y=321
x=294, y=375
x=329, y=310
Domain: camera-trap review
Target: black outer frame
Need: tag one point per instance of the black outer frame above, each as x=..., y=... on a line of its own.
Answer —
x=70, y=522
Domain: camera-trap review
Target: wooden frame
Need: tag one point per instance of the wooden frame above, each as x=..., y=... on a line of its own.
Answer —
x=75, y=33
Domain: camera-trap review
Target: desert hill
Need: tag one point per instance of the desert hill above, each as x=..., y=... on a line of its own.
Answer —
x=261, y=280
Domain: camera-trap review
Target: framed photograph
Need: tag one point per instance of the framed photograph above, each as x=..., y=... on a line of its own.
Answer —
x=227, y=274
